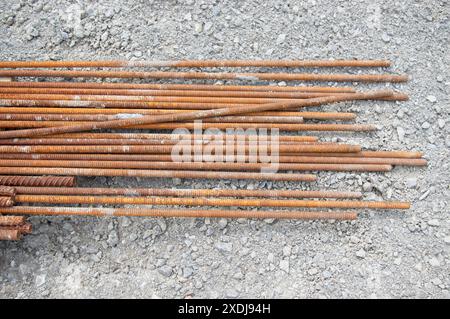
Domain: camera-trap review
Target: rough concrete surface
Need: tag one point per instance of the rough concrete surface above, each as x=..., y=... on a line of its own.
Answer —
x=382, y=254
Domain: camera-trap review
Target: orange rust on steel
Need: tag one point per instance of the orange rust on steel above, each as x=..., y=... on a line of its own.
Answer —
x=192, y=115
x=156, y=100
x=10, y=234
x=185, y=192
x=217, y=166
x=378, y=154
x=152, y=149
x=108, y=200
x=172, y=93
x=38, y=181
x=87, y=111
x=156, y=173
x=161, y=136
x=282, y=158
x=195, y=87
x=51, y=127
x=23, y=229
x=205, y=75
x=12, y=220
x=87, y=117
x=167, y=158
x=6, y=201
x=198, y=213
x=194, y=63
x=7, y=191
x=83, y=141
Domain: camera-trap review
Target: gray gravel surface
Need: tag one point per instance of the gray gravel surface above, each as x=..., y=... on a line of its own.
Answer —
x=383, y=254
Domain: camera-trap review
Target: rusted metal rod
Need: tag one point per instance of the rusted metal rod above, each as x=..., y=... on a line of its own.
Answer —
x=155, y=173
x=6, y=201
x=158, y=100
x=112, y=141
x=130, y=149
x=73, y=126
x=38, y=181
x=167, y=86
x=185, y=192
x=10, y=234
x=169, y=93
x=88, y=117
x=108, y=200
x=7, y=191
x=12, y=220
x=174, y=137
x=199, y=213
x=299, y=158
x=194, y=63
x=206, y=75
x=124, y=112
x=214, y=166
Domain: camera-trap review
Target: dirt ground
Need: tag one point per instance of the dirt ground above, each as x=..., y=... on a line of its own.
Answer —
x=382, y=254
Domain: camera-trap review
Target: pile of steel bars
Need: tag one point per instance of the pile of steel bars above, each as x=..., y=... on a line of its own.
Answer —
x=52, y=131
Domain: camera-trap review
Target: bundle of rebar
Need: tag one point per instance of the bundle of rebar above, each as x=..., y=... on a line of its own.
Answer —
x=53, y=131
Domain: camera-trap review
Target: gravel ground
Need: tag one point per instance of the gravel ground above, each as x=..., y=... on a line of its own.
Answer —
x=383, y=254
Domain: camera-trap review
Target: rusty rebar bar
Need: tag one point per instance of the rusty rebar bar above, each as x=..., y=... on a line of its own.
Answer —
x=51, y=127
x=157, y=149
x=298, y=158
x=191, y=115
x=175, y=136
x=185, y=192
x=170, y=86
x=89, y=117
x=23, y=229
x=212, y=166
x=206, y=75
x=156, y=173
x=228, y=202
x=169, y=93
x=7, y=191
x=12, y=220
x=38, y=181
x=10, y=234
x=194, y=63
x=189, y=100
x=6, y=201
x=124, y=112
x=199, y=213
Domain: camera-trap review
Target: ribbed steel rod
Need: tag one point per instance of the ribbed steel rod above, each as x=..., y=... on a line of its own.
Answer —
x=155, y=173
x=199, y=213
x=185, y=192
x=152, y=149
x=7, y=191
x=167, y=158
x=218, y=166
x=38, y=181
x=51, y=127
x=23, y=229
x=6, y=201
x=9, y=234
x=177, y=137
x=99, y=117
x=176, y=99
x=112, y=141
x=169, y=93
x=170, y=86
x=194, y=63
x=206, y=75
x=191, y=115
x=108, y=200
x=124, y=112
x=12, y=220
